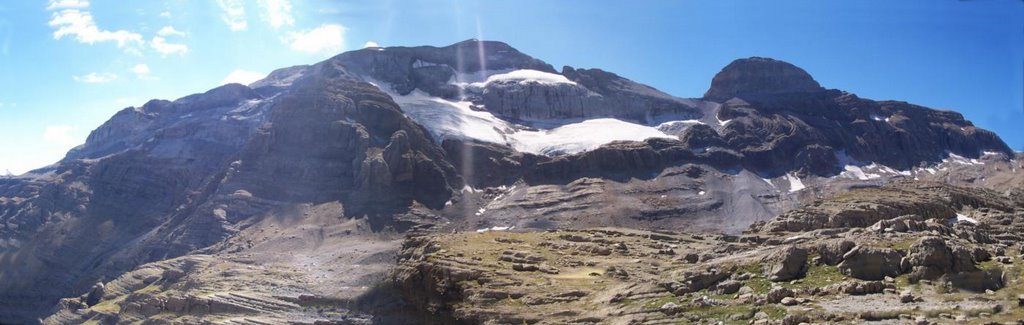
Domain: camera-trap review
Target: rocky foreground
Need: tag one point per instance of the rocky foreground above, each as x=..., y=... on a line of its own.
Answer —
x=931, y=253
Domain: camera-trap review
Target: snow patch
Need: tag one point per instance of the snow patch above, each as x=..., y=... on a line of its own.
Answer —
x=526, y=76
x=857, y=172
x=795, y=184
x=677, y=127
x=495, y=228
x=964, y=218
x=957, y=159
x=420, y=64
x=582, y=136
x=721, y=122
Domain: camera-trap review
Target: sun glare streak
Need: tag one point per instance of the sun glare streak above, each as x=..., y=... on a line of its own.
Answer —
x=480, y=50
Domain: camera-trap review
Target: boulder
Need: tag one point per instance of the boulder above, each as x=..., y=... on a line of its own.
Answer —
x=696, y=281
x=907, y=296
x=831, y=252
x=95, y=294
x=858, y=288
x=727, y=287
x=778, y=293
x=786, y=264
x=931, y=257
x=870, y=263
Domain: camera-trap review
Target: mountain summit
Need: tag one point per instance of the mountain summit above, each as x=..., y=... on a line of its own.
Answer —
x=756, y=76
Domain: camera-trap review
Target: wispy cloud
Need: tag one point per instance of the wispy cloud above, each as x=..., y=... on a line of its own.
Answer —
x=95, y=78
x=141, y=68
x=234, y=14
x=244, y=77
x=328, y=38
x=370, y=44
x=170, y=31
x=277, y=13
x=165, y=14
x=67, y=4
x=160, y=44
x=80, y=25
x=60, y=135
x=71, y=19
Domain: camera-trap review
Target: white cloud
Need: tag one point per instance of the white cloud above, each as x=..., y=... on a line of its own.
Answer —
x=80, y=24
x=234, y=14
x=277, y=13
x=170, y=31
x=95, y=78
x=328, y=38
x=244, y=77
x=140, y=68
x=161, y=45
x=371, y=44
x=141, y=72
x=59, y=134
x=165, y=14
x=67, y=4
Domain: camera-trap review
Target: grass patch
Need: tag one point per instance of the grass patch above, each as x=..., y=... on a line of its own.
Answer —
x=817, y=276
x=760, y=284
x=658, y=302
x=724, y=313
x=108, y=306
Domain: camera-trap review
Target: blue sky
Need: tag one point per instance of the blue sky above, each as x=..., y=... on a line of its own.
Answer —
x=68, y=65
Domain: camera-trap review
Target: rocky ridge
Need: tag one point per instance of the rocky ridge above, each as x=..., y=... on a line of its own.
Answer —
x=907, y=268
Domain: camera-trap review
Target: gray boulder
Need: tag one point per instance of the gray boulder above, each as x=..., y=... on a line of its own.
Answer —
x=870, y=263
x=786, y=264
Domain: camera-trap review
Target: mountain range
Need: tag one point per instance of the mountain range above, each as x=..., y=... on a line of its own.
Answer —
x=290, y=198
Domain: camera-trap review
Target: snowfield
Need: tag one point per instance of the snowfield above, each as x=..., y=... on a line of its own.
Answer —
x=526, y=76
x=446, y=119
x=582, y=136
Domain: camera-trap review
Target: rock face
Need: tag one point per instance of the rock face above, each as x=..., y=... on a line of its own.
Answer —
x=164, y=179
x=925, y=200
x=756, y=76
x=429, y=68
x=590, y=93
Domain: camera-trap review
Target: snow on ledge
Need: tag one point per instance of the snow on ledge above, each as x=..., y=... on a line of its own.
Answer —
x=964, y=218
x=527, y=76
x=495, y=228
x=795, y=185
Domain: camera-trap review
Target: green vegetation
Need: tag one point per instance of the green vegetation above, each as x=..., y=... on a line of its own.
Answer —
x=108, y=306
x=817, y=276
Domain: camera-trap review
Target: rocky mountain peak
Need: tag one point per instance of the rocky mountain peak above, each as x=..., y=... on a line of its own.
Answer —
x=756, y=77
